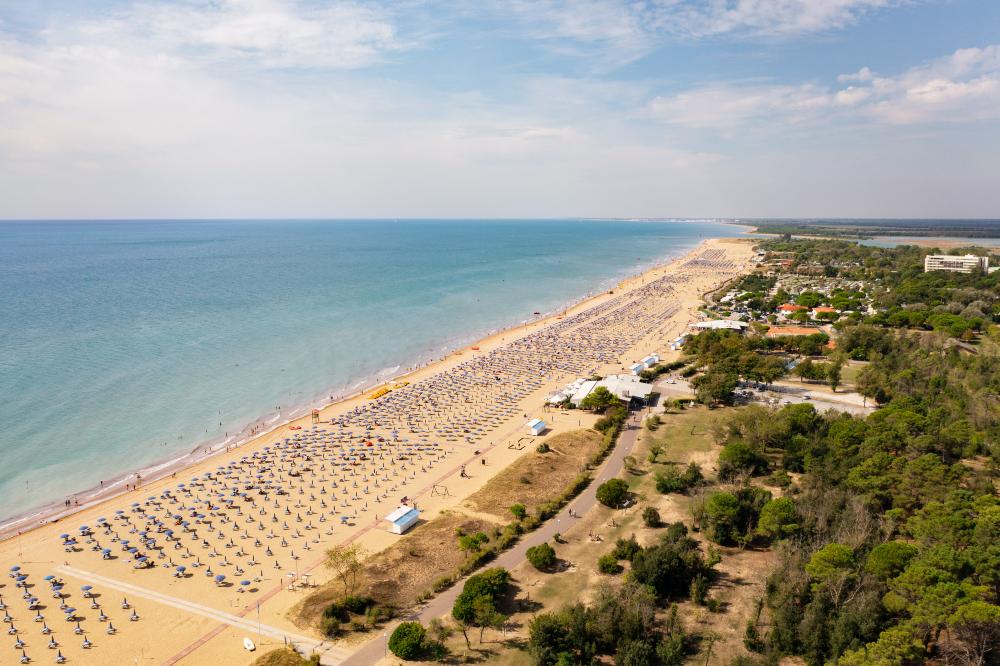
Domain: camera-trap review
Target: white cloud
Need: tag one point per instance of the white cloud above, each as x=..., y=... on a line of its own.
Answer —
x=962, y=87
x=863, y=75
x=620, y=31
x=769, y=17
x=728, y=107
x=273, y=33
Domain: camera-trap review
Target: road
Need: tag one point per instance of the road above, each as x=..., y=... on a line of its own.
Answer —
x=440, y=605
x=843, y=402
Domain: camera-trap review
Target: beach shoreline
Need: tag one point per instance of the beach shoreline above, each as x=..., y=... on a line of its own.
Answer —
x=201, y=621
x=135, y=479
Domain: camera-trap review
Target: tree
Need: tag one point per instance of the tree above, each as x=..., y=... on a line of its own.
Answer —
x=737, y=458
x=651, y=517
x=519, y=511
x=655, y=449
x=831, y=568
x=721, y=512
x=976, y=626
x=714, y=386
x=407, y=640
x=599, y=400
x=548, y=639
x=542, y=556
x=777, y=519
x=887, y=560
x=490, y=584
x=485, y=614
x=612, y=493
x=346, y=564
x=833, y=373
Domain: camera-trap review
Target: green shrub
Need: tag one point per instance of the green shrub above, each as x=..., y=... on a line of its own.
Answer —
x=672, y=480
x=407, y=640
x=626, y=549
x=519, y=511
x=329, y=626
x=608, y=564
x=651, y=517
x=543, y=448
x=542, y=556
x=736, y=458
x=612, y=493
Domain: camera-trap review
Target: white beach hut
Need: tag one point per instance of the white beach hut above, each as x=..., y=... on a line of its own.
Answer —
x=402, y=519
x=651, y=360
x=536, y=426
x=637, y=368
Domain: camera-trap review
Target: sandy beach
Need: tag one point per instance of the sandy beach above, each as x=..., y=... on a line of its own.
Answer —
x=265, y=511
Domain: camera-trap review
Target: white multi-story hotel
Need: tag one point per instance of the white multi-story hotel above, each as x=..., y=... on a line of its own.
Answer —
x=969, y=263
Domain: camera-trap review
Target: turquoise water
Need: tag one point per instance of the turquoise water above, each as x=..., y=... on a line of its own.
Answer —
x=127, y=343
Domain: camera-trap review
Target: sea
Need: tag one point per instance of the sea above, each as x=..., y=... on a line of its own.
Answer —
x=125, y=344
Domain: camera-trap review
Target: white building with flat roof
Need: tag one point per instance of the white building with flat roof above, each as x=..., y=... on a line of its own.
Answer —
x=968, y=263
x=402, y=519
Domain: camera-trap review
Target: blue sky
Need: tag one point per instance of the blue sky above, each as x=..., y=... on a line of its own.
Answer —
x=420, y=108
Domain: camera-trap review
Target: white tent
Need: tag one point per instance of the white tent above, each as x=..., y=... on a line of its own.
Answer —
x=626, y=386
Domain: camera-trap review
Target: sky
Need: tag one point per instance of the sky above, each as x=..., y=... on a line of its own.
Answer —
x=492, y=108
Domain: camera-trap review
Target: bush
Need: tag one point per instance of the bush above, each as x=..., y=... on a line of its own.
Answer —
x=608, y=564
x=542, y=556
x=612, y=493
x=407, y=640
x=357, y=605
x=612, y=420
x=472, y=543
x=736, y=458
x=543, y=448
x=670, y=480
x=699, y=589
x=329, y=626
x=626, y=549
x=651, y=517
x=519, y=511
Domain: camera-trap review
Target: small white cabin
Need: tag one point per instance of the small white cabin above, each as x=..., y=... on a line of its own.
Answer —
x=637, y=368
x=402, y=519
x=536, y=426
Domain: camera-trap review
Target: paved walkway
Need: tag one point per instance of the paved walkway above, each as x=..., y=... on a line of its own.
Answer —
x=440, y=605
x=303, y=643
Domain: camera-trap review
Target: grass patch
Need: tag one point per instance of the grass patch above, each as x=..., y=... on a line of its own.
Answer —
x=680, y=434
x=398, y=576
x=532, y=479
